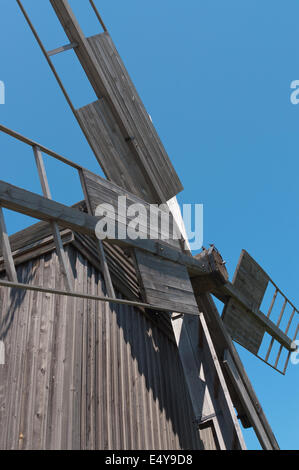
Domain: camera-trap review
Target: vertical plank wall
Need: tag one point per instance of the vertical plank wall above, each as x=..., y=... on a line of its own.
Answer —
x=85, y=375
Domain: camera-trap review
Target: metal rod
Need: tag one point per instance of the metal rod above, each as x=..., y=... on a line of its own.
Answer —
x=30, y=142
x=6, y=250
x=156, y=308
x=98, y=15
x=46, y=55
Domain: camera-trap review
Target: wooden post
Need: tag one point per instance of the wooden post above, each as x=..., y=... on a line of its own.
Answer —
x=56, y=233
x=6, y=250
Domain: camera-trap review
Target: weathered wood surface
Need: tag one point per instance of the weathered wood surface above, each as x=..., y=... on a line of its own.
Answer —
x=249, y=309
x=222, y=341
x=241, y=315
x=83, y=375
x=251, y=282
x=99, y=243
x=165, y=283
x=25, y=202
x=150, y=225
x=6, y=250
x=110, y=80
x=56, y=233
x=207, y=387
x=245, y=399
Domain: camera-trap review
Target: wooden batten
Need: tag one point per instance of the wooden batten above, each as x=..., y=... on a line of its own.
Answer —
x=241, y=315
x=165, y=283
x=119, y=118
x=100, y=191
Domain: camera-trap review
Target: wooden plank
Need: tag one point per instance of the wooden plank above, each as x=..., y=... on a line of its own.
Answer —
x=221, y=393
x=169, y=287
x=100, y=191
x=242, y=316
x=191, y=361
x=244, y=397
x=34, y=205
x=110, y=80
x=222, y=341
x=99, y=244
x=114, y=154
x=243, y=326
x=69, y=281
x=6, y=250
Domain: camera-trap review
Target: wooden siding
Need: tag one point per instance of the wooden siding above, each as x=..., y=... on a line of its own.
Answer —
x=86, y=375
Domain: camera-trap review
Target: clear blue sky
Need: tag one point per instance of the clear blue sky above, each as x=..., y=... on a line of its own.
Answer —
x=215, y=76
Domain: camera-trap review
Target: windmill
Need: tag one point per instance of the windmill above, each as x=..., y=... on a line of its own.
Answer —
x=117, y=343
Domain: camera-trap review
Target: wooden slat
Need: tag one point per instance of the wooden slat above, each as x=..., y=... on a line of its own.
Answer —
x=99, y=244
x=69, y=281
x=241, y=315
x=101, y=191
x=6, y=250
x=222, y=341
x=243, y=326
x=246, y=308
x=28, y=203
x=110, y=80
x=165, y=283
x=235, y=377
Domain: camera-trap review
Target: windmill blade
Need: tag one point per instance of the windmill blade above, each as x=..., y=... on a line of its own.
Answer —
x=248, y=317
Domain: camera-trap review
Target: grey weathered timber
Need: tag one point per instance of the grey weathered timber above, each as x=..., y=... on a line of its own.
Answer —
x=100, y=249
x=28, y=203
x=6, y=250
x=105, y=377
x=246, y=401
x=251, y=282
x=112, y=85
x=56, y=233
x=153, y=223
x=202, y=370
x=246, y=308
x=222, y=341
x=169, y=285
x=165, y=283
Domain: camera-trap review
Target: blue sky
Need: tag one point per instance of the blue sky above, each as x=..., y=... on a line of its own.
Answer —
x=215, y=77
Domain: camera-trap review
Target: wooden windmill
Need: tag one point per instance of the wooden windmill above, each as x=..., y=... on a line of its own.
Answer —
x=117, y=344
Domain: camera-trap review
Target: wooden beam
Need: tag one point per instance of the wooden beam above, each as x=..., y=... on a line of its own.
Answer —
x=69, y=281
x=222, y=341
x=6, y=250
x=101, y=62
x=39, y=207
x=246, y=401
